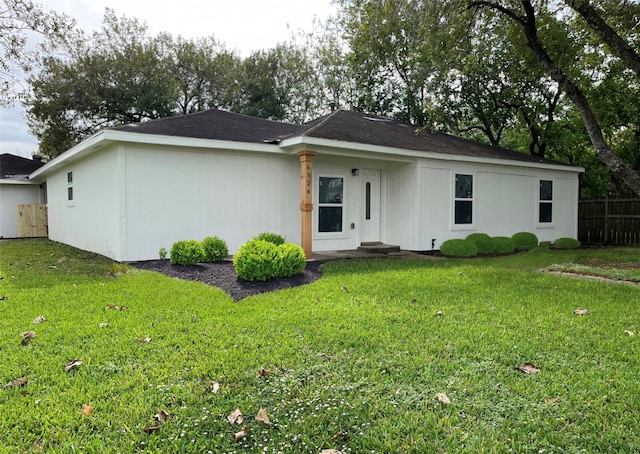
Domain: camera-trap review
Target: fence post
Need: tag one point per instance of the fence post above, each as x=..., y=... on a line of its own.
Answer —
x=606, y=220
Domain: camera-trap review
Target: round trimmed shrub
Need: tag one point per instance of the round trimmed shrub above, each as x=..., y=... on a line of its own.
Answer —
x=215, y=249
x=459, y=248
x=255, y=260
x=260, y=260
x=270, y=237
x=186, y=252
x=524, y=241
x=291, y=260
x=503, y=244
x=566, y=243
x=482, y=242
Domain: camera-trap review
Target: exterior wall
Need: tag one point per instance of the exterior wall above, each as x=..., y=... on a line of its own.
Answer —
x=177, y=194
x=505, y=201
x=12, y=194
x=92, y=221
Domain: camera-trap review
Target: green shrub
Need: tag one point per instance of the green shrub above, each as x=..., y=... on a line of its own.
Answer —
x=566, y=243
x=186, y=252
x=260, y=260
x=503, y=244
x=459, y=248
x=215, y=249
x=525, y=241
x=482, y=242
x=270, y=237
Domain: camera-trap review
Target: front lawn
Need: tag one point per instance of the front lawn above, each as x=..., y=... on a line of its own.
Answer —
x=353, y=362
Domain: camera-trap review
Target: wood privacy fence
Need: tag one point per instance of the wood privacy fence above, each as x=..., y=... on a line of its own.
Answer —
x=32, y=221
x=609, y=221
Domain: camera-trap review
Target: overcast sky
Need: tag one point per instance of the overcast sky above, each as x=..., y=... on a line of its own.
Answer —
x=242, y=25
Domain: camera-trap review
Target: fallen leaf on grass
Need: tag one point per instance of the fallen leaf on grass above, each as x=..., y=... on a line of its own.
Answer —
x=550, y=401
x=629, y=333
x=27, y=336
x=163, y=416
x=72, y=364
x=194, y=318
x=439, y=314
x=414, y=301
x=262, y=416
x=39, y=319
x=87, y=410
x=240, y=435
x=343, y=435
x=262, y=372
x=529, y=368
x=4, y=298
x=146, y=340
x=113, y=307
x=581, y=311
x=214, y=387
x=330, y=451
x=345, y=289
x=152, y=429
x=17, y=383
x=103, y=325
x=443, y=398
x=235, y=417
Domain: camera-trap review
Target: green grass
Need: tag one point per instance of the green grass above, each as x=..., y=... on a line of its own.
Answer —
x=354, y=370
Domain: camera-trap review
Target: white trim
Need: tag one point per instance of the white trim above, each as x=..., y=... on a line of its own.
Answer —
x=337, y=147
x=15, y=181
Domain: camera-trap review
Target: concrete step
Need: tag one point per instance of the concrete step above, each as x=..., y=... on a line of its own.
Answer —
x=378, y=248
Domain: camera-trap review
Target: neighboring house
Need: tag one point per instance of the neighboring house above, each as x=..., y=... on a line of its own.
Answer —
x=331, y=184
x=16, y=189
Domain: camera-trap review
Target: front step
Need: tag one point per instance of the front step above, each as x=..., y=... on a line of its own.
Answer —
x=378, y=248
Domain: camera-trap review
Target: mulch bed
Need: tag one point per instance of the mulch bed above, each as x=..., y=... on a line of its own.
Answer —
x=223, y=275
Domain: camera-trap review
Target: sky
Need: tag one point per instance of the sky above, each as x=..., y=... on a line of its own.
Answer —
x=242, y=25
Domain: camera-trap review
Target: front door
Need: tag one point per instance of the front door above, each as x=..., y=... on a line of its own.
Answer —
x=370, y=222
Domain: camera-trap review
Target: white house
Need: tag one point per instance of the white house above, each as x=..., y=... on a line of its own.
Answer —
x=332, y=184
x=16, y=189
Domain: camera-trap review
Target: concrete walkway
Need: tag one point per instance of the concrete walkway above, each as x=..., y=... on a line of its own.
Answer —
x=352, y=253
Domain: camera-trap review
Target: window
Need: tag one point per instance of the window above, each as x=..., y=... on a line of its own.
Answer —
x=330, y=204
x=367, y=201
x=545, y=201
x=463, y=199
x=70, y=188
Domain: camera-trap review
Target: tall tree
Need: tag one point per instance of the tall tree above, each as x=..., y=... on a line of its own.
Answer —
x=527, y=19
x=19, y=54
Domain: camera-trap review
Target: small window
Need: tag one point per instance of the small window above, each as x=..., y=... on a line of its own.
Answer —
x=70, y=188
x=367, y=201
x=330, y=204
x=545, y=202
x=463, y=199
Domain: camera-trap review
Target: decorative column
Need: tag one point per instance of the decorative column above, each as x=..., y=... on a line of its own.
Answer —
x=306, y=204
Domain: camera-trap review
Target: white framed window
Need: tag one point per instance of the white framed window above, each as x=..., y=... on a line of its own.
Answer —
x=70, y=195
x=545, y=202
x=330, y=204
x=463, y=200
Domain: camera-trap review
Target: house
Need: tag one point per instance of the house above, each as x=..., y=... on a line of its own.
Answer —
x=16, y=190
x=332, y=184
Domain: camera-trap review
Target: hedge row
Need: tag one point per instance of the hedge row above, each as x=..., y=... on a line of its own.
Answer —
x=481, y=243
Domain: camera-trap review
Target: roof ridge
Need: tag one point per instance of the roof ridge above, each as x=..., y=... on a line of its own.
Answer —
x=327, y=119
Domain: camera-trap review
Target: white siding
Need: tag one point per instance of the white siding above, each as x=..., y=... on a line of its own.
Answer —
x=13, y=194
x=92, y=221
x=177, y=195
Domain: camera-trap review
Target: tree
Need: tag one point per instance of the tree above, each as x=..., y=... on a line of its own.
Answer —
x=18, y=56
x=527, y=19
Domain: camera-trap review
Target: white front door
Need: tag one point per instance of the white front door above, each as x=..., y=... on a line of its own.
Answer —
x=370, y=219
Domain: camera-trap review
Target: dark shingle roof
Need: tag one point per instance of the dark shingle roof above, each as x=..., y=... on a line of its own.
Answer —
x=358, y=127
x=341, y=125
x=216, y=124
x=12, y=166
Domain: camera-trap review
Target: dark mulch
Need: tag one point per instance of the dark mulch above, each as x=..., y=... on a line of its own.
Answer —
x=223, y=275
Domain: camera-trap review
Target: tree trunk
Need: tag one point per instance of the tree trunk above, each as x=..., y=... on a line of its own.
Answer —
x=618, y=46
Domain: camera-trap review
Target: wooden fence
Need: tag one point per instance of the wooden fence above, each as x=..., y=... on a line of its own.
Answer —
x=609, y=221
x=32, y=221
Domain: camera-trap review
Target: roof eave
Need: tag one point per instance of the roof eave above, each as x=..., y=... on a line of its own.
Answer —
x=356, y=149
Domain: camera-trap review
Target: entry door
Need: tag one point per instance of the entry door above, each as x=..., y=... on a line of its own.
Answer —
x=370, y=222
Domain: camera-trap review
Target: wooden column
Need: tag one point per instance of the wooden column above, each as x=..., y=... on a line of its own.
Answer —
x=306, y=204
